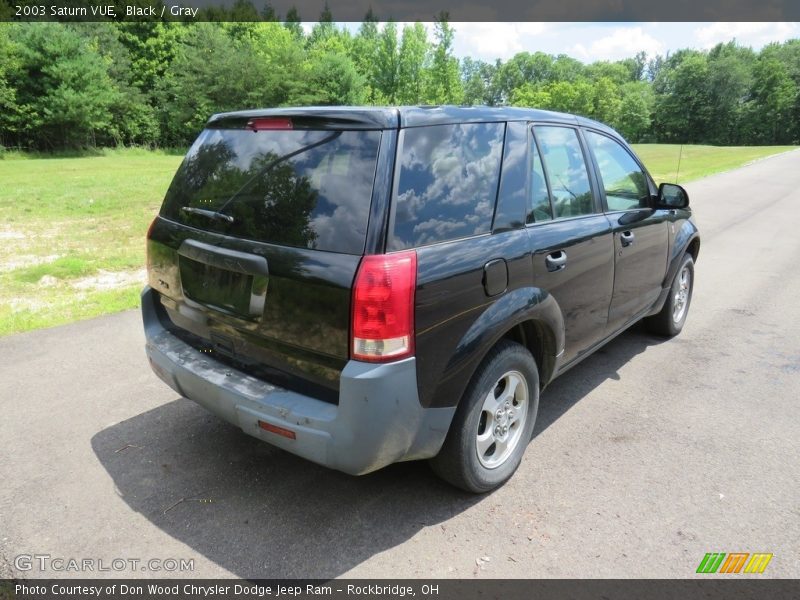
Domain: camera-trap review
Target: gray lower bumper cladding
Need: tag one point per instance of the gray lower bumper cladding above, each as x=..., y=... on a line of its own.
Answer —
x=378, y=420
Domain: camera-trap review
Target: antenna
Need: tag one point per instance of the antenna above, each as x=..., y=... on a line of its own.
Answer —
x=680, y=154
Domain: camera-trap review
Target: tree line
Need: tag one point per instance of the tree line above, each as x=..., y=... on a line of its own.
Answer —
x=77, y=85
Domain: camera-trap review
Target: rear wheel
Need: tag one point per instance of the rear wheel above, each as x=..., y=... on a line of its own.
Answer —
x=493, y=423
x=672, y=317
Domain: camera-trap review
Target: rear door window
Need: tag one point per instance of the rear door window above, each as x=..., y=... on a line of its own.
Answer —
x=447, y=183
x=566, y=170
x=304, y=188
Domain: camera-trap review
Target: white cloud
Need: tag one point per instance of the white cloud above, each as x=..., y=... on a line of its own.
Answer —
x=589, y=42
x=622, y=42
x=748, y=34
x=488, y=41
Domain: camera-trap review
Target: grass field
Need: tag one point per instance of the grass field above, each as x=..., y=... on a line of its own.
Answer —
x=698, y=161
x=72, y=236
x=71, y=240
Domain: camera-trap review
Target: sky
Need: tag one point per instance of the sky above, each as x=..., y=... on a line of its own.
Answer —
x=589, y=42
x=609, y=41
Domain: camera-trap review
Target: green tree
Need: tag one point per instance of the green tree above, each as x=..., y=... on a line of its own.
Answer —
x=444, y=83
x=133, y=119
x=523, y=68
x=64, y=93
x=414, y=48
x=653, y=68
x=243, y=10
x=617, y=72
x=8, y=95
x=683, y=105
x=324, y=28
x=730, y=70
x=566, y=68
x=364, y=50
x=268, y=12
x=527, y=95
x=635, y=112
x=282, y=58
x=788, y=54
x=577, y=98
x=607, y=102
x=386, y=72
x=774, y=97
x=211, y=74
x=330, y=39
x=637, y=66
x=333, y=80
x=478, y=79
x=292, y=22
x=152, y=46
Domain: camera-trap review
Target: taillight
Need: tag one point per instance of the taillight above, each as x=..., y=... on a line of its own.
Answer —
x=383, y=307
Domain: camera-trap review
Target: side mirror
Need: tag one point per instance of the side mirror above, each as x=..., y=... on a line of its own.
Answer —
x=671, y=195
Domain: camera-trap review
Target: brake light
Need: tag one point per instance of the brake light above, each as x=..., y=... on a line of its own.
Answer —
x=265, y=123
x=383, y=307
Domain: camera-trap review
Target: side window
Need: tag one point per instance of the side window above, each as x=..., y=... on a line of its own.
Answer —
x=541, y=209
x=447, y=184
x=566, y=171
x=623, y=180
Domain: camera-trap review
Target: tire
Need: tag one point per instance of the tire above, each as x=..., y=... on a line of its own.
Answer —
x=478, y=454
x=670, y=320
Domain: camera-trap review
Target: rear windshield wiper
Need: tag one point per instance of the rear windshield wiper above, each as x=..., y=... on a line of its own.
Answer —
x=269, y=166
x=211, y=214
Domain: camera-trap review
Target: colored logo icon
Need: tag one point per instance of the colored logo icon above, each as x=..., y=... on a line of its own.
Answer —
x=734, y=562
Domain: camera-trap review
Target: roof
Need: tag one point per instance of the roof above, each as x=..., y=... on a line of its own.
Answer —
x=369, y=117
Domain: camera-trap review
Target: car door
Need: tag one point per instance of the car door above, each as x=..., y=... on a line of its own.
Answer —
x=640, y=231
x=571, y=241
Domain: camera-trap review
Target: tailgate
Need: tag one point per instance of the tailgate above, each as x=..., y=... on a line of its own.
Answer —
x=257, y=245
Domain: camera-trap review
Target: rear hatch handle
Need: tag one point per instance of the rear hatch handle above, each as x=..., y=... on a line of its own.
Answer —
x=223, y=258
x=252, y=265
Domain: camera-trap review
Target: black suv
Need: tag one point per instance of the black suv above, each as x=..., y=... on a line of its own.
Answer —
x=361, y=286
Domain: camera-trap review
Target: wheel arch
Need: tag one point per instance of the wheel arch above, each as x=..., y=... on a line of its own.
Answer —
x=528, y=316
x=687, y=239
x=539, y=339
x=693, y=247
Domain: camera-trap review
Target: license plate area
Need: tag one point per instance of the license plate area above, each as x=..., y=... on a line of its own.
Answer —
x=224, y=280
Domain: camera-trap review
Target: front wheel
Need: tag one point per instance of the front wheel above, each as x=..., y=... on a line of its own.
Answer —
x=670, y=320
x=493, y=423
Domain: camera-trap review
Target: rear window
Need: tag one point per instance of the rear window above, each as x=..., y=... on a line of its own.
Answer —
x=304, y=188
x=447, y=185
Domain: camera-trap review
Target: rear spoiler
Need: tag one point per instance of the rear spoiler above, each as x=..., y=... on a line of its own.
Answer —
x=313, y=118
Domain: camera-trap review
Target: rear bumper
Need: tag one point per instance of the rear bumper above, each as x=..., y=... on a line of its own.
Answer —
x=378, y=420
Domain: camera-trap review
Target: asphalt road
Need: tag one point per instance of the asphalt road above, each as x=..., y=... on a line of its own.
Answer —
x=645, y=457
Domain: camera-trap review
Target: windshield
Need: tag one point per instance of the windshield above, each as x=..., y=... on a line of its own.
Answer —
x=301, y=188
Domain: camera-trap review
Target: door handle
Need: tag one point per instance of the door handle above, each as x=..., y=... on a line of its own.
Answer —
x=556, y=261
x=626, y=238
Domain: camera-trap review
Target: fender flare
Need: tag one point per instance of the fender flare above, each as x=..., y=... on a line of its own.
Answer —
x=684, y=238
x=518, y=307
